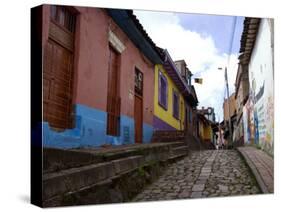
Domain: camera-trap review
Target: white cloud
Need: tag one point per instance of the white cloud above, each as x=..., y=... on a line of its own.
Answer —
x=199, y=52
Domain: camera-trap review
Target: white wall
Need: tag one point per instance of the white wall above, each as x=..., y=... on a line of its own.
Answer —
x=261, y=74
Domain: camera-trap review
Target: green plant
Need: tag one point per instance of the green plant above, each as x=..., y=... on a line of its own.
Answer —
x=141, y=171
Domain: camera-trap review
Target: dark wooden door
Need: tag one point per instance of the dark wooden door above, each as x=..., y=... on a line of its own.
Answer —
x=113, y=98
x=138, y=119
x=57, y=81
x=58, y=71
x=138, y=105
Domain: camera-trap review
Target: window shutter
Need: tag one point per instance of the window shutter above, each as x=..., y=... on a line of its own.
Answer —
x=159, y=87
x=166, y=93
x=162, y=90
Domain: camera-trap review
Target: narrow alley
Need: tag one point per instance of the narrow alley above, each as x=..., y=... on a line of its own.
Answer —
x=209, y=173
x=145, y=106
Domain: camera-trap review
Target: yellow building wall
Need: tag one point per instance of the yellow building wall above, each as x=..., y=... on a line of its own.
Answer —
x=208, y=132
x=201, y=130
x=205, y=131
x=160, y=112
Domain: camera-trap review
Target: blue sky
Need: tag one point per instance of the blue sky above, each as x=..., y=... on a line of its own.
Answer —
x=218, y=26
x=203, y=41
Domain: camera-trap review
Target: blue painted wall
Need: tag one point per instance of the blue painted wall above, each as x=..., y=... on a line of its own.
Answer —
x=90, y=131
x=147, y=133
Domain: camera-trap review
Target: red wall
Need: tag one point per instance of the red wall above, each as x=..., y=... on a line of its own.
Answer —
x=91, y=63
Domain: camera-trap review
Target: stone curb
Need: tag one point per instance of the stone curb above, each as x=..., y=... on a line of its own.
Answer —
x=254, y=170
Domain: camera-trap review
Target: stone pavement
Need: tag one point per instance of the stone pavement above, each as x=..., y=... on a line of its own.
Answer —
x=209, y=173
x=262, y=166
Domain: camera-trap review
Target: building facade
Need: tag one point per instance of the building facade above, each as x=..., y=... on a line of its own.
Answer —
x=191, y=101
x=205, y=129
x=241, y=97
x=172, y=96
x=168, y=102
x=230, y=116
x=229, y=107
x=207, y=124
x=98, y=77
x=257, y=48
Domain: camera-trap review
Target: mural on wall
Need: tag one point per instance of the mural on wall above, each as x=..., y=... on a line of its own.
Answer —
x=258, y=112
x=264, y=111
x=269, y=116
x=252, y=121
x=246, y=120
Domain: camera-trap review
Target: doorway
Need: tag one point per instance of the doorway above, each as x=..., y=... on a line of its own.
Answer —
x=58, y=69
x=138, y=105
x=113, y=97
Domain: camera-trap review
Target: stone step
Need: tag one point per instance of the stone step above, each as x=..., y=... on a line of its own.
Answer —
x=73, y=179
x=177, y=144
x=173, y=158
x=180, y=150
x=59, y=159
x=110, y=165
x=119, y=188
x=168, y=139
x=168, y=136
x=119, y=154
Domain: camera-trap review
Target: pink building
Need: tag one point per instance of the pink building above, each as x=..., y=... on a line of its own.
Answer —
x=98, y=77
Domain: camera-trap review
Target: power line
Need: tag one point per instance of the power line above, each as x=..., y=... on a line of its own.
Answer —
x=230, y=51
x=232, y=38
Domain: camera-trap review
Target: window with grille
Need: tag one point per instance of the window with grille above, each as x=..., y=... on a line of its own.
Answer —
x=138, y=82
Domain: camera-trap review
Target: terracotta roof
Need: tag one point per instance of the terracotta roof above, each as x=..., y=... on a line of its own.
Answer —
x=248, y=38
x=247, y=42
x=129, y=23
x=140, y=27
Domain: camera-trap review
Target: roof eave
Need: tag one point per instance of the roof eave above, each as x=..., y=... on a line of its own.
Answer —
x=128, y=22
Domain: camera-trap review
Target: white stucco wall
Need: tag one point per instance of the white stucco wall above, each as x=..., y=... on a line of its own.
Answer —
x=261, y=77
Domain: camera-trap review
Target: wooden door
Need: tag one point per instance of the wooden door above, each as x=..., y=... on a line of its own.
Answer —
x=113, y=98
x=138, y=118
x=138, y=110
x=58, y=72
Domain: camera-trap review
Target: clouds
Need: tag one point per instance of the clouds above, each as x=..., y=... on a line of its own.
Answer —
x=198, y=50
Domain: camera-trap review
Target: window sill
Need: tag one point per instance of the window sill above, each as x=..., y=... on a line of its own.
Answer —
x=163, y=106
x=177, y=118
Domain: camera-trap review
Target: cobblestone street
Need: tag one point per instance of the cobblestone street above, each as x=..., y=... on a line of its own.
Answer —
x=210, y=173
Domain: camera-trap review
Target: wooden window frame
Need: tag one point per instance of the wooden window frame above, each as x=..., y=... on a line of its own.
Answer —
x=138, y=91
x=69, y=17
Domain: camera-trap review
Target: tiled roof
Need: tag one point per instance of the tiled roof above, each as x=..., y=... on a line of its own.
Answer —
x=129, y=23
x=248, y=38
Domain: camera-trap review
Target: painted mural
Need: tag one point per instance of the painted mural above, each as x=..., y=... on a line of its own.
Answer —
x=269, y=131
x=258, y=112
x=258, y=115
x=246, y=123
